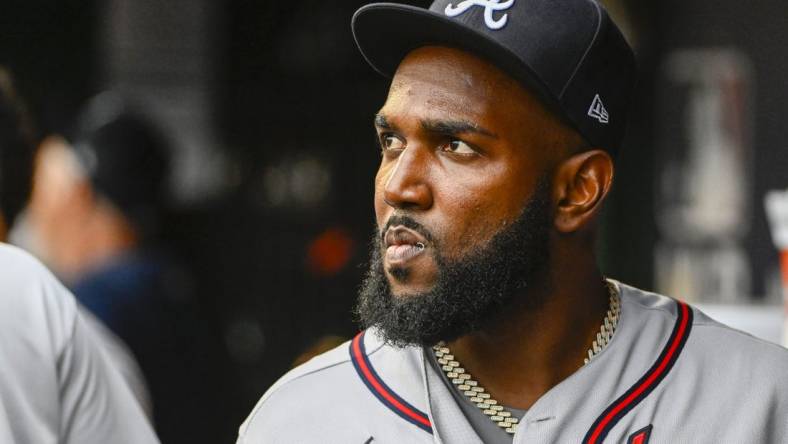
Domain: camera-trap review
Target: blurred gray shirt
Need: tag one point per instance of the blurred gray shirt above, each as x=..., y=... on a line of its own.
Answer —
x=56, y=384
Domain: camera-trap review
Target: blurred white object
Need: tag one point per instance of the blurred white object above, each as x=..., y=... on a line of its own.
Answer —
x=762, y=321
x=777, y=212
x=703, y=202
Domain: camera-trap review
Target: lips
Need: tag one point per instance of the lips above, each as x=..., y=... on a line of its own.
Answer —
x=403, y=245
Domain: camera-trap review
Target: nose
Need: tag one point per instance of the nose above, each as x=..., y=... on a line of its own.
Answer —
x=407, y=183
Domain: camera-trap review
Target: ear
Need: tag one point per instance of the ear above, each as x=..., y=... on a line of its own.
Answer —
x=581, y=184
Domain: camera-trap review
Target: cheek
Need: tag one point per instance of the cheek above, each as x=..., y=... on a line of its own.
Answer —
x=469, y=212
x=475, y=208
x=379, y=201
x=468, y=223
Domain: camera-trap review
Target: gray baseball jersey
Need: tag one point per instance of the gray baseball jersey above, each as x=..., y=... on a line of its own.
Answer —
x=56, y=385
x=669, y=375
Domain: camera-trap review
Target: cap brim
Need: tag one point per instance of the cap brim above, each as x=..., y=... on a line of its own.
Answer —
x=386, y=32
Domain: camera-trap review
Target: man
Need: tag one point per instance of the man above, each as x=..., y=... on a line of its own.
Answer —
x=56, y=386
x=97, y=210
x=489, y=320
x=17, y=151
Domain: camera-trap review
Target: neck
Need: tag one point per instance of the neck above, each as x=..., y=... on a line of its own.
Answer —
x=105, y=234
x=526, y=353
x=109, y=240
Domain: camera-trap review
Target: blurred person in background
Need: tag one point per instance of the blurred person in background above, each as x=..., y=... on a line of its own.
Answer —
x=57, y=385
x=94, y=216
x=17, y=154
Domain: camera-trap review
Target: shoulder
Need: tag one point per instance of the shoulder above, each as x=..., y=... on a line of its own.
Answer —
x=329, y=394
x=306, y=387
x=713, y=351
x=739, y=352
x=18, y=269
x=31, y=298
x=319, y=369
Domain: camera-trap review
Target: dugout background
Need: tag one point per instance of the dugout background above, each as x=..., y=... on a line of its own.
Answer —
x=271, y=108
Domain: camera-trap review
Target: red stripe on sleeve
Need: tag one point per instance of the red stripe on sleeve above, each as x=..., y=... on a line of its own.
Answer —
x=650, y=380
x=381, y=390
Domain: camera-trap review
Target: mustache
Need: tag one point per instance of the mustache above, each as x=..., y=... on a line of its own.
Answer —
x=407, y=222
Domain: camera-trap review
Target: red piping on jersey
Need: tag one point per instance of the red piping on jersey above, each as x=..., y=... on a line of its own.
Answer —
x=650, y=380
x=381, y=390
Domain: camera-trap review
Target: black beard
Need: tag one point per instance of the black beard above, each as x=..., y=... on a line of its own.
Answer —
x=470, y=292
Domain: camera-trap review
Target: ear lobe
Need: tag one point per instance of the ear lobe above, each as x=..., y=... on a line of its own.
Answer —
x=582, y=183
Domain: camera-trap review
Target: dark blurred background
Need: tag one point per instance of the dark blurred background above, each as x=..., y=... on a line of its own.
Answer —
x=270, y=106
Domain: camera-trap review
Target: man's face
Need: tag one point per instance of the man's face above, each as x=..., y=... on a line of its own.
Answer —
x=463, y=152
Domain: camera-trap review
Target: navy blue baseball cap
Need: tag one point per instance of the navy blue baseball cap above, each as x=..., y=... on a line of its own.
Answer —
x=126, y=156
x=568, y=52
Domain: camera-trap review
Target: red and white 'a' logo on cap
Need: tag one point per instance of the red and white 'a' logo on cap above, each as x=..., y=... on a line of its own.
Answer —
x=641, y=436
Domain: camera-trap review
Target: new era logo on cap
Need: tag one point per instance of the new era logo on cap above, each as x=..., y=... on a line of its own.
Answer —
x=598, y=111
x=489, y=6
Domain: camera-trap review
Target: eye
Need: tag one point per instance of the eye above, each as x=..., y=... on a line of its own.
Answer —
x=390, y=142
x=459, y=147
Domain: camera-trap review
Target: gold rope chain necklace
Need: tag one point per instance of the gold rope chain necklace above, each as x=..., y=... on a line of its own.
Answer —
x=489, y=406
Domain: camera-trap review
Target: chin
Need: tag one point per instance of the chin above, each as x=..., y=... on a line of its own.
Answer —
x=398, y=275
x=403, y=284
x=403, y=292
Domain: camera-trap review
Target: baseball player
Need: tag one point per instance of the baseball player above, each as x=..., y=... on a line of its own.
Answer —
x=487, y=317
x=57, y=385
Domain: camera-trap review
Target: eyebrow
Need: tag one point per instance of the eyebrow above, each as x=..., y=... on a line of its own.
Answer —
x=448, y=127
x=381, y=122
x=455, y=127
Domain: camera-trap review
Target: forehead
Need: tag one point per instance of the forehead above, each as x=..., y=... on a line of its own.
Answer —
x=440, y=82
